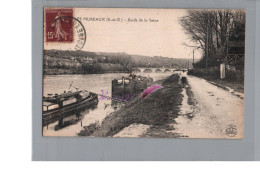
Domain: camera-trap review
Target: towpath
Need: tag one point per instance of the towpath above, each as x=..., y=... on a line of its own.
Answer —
x=208, y=111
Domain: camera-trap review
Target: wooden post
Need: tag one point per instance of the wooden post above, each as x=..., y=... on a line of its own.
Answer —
x=60, y=104
x=123, y=81
x=222, y=71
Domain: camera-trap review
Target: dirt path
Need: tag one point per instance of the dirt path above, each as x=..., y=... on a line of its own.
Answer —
x=216, y=111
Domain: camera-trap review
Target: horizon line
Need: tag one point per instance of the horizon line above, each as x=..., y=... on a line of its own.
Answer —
x=124, y=53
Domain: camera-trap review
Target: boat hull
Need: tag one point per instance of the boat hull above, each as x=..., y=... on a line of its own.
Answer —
x=133, y=87
x=54, y=114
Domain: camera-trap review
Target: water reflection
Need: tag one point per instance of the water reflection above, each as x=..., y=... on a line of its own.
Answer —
x=70, y=119
x=72, y=124
x=73, y=119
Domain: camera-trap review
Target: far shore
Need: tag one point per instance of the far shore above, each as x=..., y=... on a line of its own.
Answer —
x=80, y=73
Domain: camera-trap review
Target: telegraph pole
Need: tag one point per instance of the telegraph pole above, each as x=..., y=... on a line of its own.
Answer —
x=207, y=42
x=207, y=48
x=193, y=51
x=193, y=57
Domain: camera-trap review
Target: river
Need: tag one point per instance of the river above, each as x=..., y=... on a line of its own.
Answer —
x=72, y=125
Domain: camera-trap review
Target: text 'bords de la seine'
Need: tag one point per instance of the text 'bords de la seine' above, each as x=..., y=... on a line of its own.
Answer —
x=109, y=19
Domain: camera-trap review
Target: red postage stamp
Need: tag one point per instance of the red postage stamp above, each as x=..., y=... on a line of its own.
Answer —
x=58, y=25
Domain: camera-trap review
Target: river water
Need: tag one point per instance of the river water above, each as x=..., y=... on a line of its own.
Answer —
x=72, y=125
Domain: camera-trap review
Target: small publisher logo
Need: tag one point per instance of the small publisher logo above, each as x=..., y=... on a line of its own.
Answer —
x=231, y=130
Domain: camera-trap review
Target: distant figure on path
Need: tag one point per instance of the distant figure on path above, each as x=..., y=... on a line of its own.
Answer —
x=183, y=78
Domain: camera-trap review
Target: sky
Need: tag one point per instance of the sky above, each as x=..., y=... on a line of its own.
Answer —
x=161, y=37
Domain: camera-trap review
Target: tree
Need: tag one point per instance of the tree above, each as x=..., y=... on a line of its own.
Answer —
x=212, y=29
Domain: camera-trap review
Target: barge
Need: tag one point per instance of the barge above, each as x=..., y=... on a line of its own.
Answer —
x=130, y=85
x=61, y=105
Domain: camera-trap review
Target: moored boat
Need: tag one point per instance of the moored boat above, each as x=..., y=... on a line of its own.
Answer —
x=130, y=85
x=61, y=105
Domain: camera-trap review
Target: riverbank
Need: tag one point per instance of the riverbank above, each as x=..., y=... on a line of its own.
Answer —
x=77, y=71
x=155, y=114
x=83, y=62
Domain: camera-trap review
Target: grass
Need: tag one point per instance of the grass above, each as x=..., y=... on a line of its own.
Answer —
x=237, y=86
x=159, y=110
x=90, y=129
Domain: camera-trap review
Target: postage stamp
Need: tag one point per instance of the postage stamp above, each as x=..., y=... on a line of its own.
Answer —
x=58, y=25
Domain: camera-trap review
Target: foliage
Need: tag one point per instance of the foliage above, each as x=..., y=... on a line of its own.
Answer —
x=212, y=30
x=84, y=62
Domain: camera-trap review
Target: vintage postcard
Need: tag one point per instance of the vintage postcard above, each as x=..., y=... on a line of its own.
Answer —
x=144, y=73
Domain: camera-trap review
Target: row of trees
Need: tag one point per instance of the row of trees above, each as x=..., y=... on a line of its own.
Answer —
x=124, y=60
x=91, y=62
x=212, y=30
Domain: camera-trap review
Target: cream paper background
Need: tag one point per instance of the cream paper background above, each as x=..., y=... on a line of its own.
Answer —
x=163, y=38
